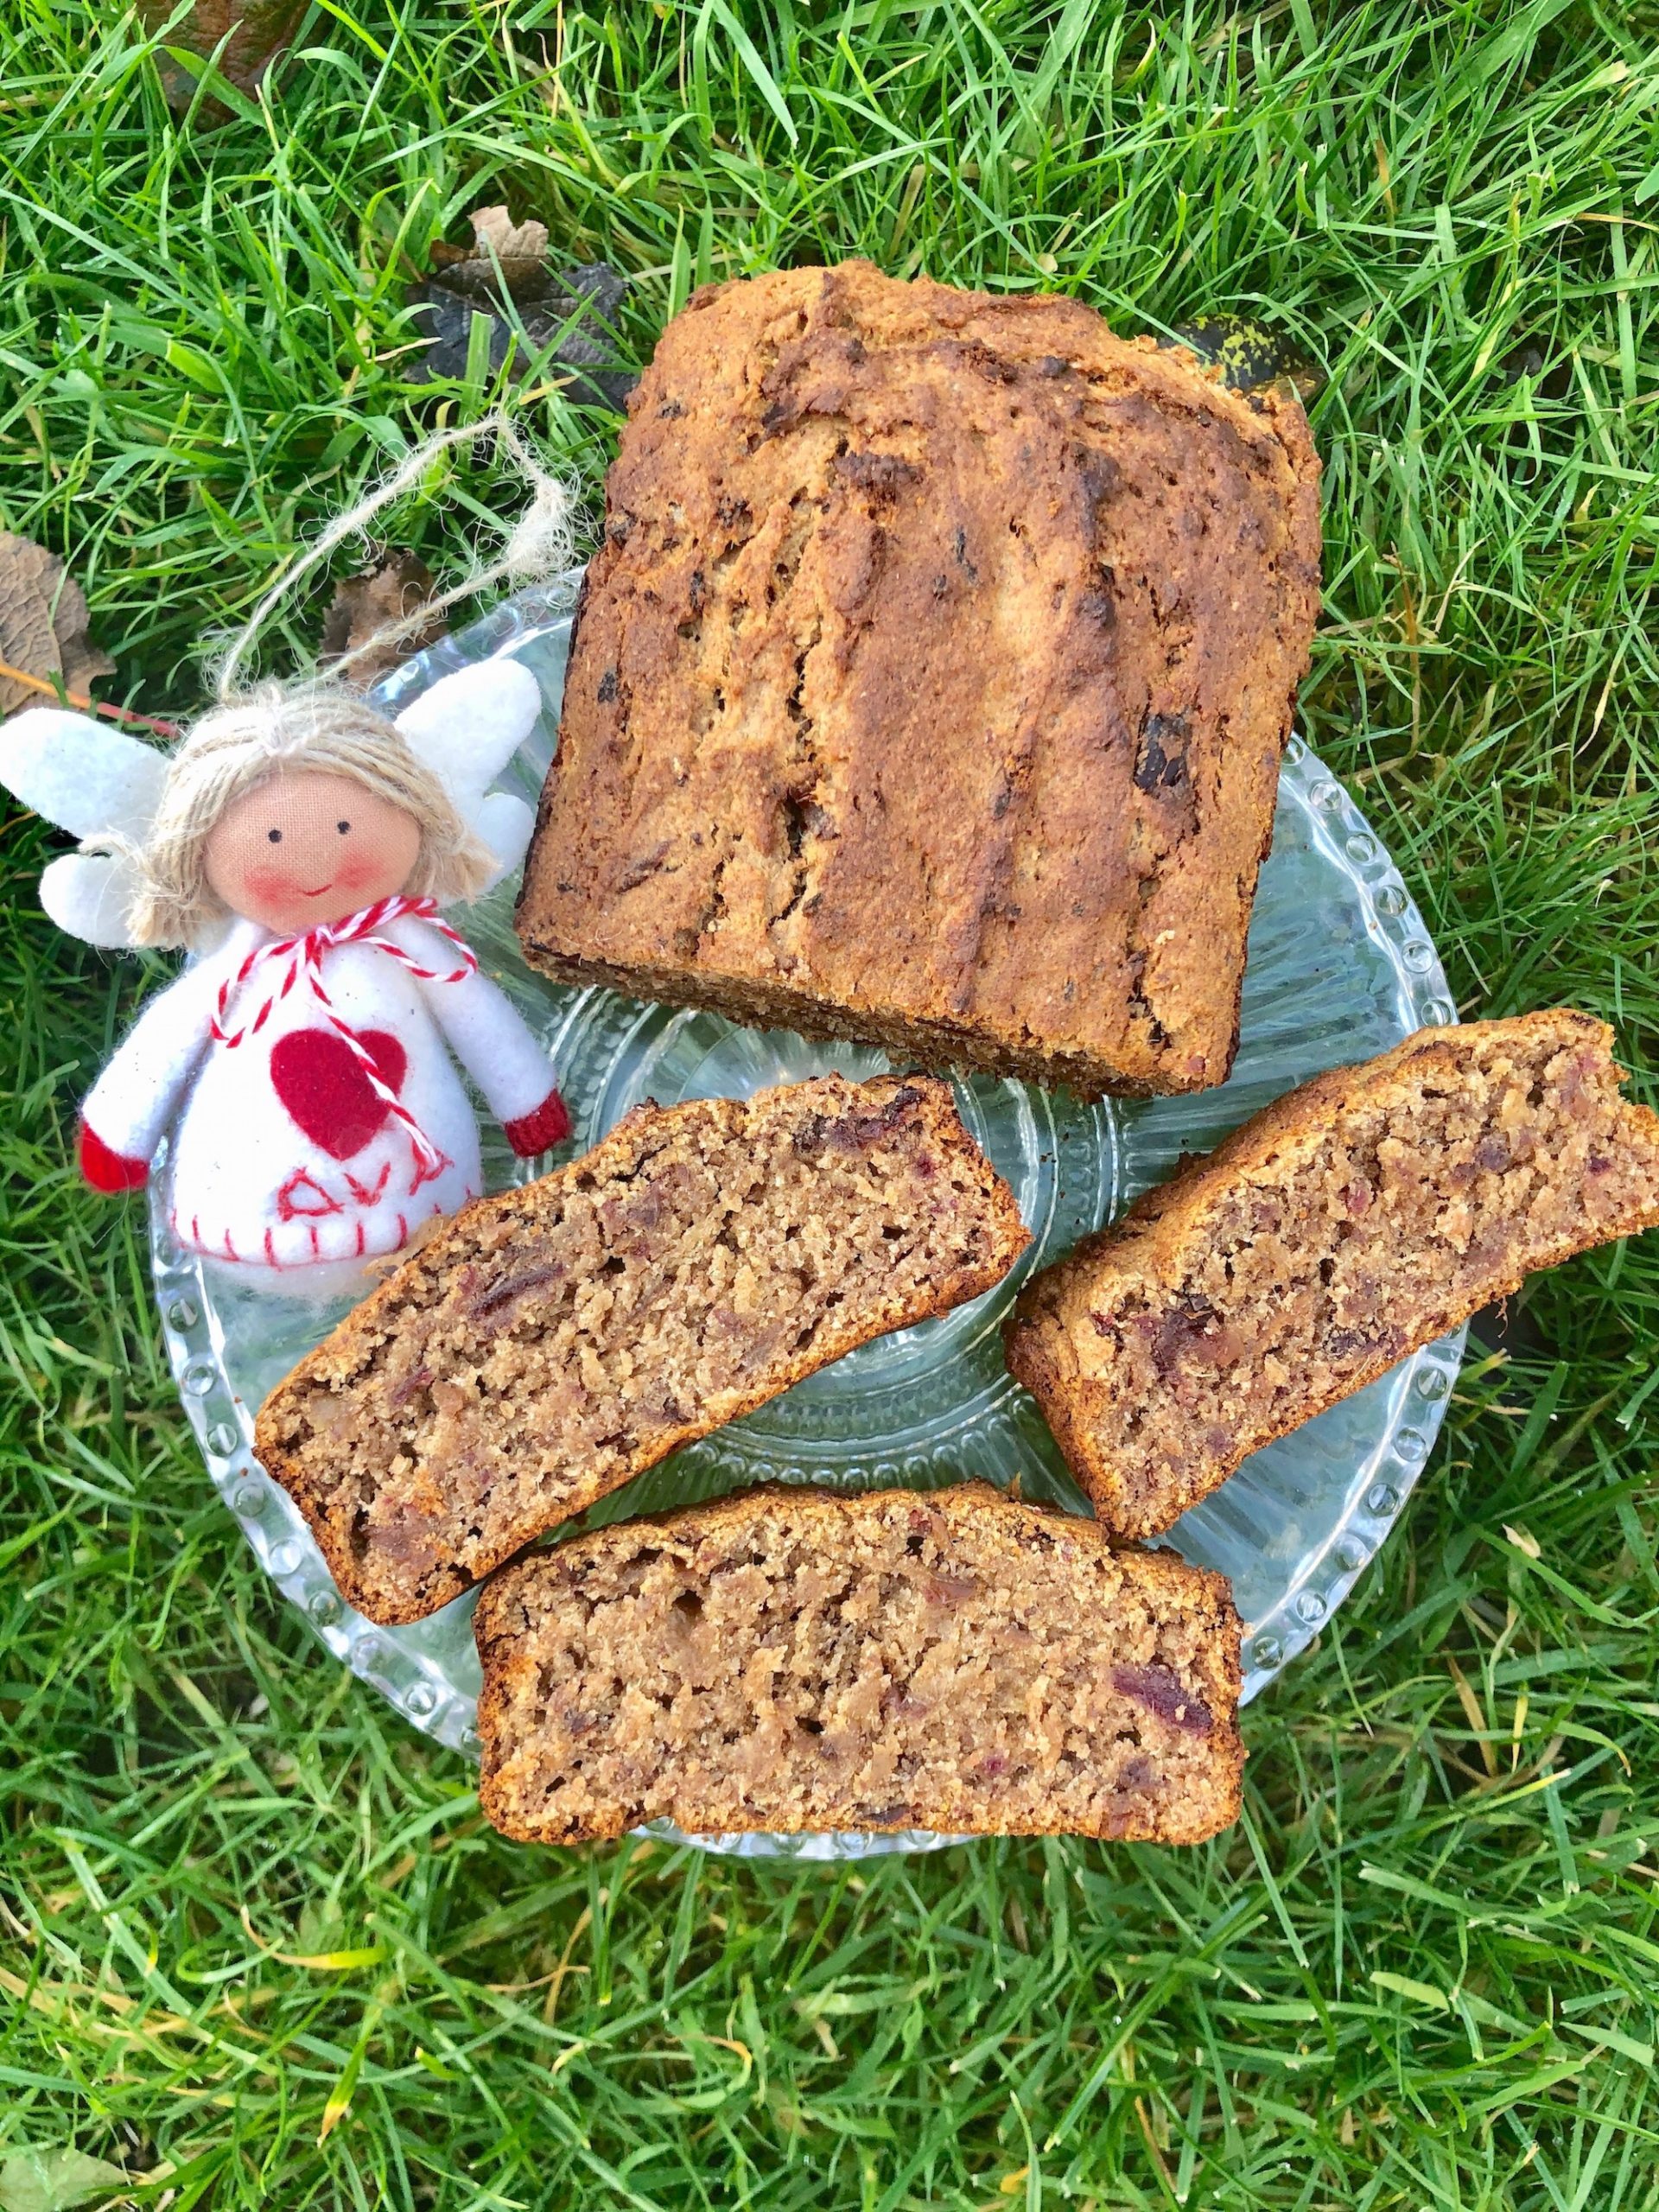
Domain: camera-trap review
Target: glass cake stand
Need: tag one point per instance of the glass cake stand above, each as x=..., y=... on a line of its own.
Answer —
x=1340, y=968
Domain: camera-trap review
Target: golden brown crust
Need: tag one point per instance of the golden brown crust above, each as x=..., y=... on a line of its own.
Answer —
x=488, y=1235
x=1196, y=1603
x=930, y=685
x=1149, y=1261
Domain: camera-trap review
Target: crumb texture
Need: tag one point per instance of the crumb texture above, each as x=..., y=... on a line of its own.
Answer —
x=1359, y=1218
x=930, y=681
x=792, y=1660
x=553, y=1341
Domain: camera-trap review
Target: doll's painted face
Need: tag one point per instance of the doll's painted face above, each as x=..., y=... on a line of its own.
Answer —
x=308, y=849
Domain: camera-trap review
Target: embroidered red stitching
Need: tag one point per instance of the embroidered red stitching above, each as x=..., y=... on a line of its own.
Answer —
x=288, y=1209
x=429, y=1172
x=365, y=1195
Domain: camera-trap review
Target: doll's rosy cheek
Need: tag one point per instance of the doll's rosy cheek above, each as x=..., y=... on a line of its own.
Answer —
x=377, y=852
x=363, y=868
x=266, y=886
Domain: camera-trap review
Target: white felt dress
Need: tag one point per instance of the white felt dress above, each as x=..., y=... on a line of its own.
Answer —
x=283, y=1157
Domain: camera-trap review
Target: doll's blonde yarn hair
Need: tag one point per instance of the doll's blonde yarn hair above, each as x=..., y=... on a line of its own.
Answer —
x=275, y=730
x=255, y=734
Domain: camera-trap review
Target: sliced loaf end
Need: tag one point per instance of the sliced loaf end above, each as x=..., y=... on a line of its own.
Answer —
x=1351, y=1222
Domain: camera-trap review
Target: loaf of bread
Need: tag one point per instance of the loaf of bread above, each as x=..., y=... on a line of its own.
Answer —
x=929, y=683
x=1355, y=1219
x=551, y=1342
x=790, y=1660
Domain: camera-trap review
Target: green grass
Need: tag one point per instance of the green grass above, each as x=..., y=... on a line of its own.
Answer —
x=242, y=1906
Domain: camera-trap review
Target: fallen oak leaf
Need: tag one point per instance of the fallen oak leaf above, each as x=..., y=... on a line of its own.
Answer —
x=43, y=625
x=373, y=601
x=506, y=272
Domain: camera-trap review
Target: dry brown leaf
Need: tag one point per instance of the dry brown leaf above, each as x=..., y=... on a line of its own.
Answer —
x=494, y=229
x=43, y=622
x=506, y=276
x=372, y=601
x=259, y=30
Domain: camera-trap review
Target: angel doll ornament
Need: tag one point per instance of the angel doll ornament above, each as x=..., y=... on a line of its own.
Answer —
x=300, y=845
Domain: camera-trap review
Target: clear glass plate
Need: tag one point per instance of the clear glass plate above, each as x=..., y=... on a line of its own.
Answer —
x=1340, y=968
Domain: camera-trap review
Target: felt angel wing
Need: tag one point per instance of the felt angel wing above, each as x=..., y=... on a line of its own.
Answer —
x=466, y=728
x=94, y=782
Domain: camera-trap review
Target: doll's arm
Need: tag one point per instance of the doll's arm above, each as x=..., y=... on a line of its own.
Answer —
x=132, y=1101
x=493, y=1042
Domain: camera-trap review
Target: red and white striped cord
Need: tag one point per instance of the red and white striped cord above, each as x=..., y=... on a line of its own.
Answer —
x=303, y=957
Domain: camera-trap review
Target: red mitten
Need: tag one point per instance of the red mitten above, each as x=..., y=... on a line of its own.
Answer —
x=111, y=1172
x=550, y=1124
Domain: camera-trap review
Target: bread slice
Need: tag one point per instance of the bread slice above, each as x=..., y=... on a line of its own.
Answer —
x=929, y=682
x=1355, y=1219
x=790, y=1660
x=551, y=1342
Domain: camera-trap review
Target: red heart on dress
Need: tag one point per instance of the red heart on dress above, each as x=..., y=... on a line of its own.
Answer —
x=321, y=1083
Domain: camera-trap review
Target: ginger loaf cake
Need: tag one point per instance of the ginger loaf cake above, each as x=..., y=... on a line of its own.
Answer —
x=929, y=683
x=1352, y=1221
x=792, y=1660
x=551, y=1342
